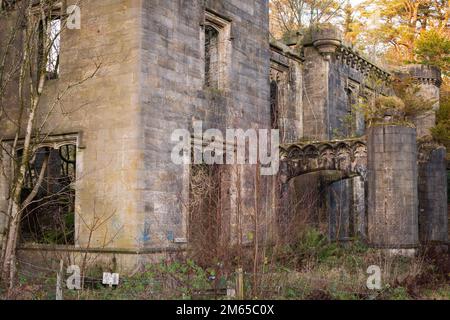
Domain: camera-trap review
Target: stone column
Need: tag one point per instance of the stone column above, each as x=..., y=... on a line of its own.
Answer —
x=429, y=80
x=392, y=187
x=319, y=46
x=433, y=219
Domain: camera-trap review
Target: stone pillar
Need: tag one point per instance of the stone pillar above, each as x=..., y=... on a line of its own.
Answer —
x=326, y=38
x=392, y=187
x=433, y=219
x=429, y=80
x=319, y=46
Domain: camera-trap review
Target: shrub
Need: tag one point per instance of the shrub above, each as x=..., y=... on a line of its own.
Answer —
x=403, y=107
x=441, y=132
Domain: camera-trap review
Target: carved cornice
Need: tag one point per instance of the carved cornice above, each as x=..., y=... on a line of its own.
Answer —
x=348, y=156
x=429, y=75
x=353, y=59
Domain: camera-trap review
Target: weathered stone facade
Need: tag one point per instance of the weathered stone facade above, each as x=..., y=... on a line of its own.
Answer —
x=336, y=80
x=101, y=117
x=151, y=81
x=392, y=189
x=433, y=219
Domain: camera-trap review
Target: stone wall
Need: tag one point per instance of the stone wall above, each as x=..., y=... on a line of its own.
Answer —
x=340, y=213
x=433, y=209
x=392, y=187
x=151, y=82
x=315, y=95
x=173, y=95
x=103, y=113
x=286, y=76
x=352, y=84
x=359, y=206
x=337, y=80
x=346, y=206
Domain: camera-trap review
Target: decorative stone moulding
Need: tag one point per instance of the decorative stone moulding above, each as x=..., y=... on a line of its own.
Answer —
x=425, y=74
x=326, y=39
x=352, y=59
x=348, y=156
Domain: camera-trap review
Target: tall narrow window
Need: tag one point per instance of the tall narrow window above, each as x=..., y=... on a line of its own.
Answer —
x=355, y=122
x=49, y=46
x=274, y=104
x=216, y=35
x=54, y=32
x=211, y=57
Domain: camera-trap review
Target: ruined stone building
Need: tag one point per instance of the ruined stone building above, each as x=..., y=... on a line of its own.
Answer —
x=164, y=65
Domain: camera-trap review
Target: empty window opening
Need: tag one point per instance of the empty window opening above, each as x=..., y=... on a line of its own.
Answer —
x=211, y=57
x=50, y=217
x=216, y=35
x=50, y=46
x=204, y=212
x=354, y=122
x=274, y=104
x=54, y=30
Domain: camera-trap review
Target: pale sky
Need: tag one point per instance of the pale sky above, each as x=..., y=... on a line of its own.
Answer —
x=355, y=2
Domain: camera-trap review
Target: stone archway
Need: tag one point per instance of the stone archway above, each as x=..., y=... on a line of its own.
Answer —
x=323, y=183
x=346, y=156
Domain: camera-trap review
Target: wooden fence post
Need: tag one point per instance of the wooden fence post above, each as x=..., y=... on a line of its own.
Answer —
x=59, y=281
x=240, y=284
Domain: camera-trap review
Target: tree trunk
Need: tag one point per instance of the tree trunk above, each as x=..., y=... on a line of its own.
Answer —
x=17, y=208
x=9, y=263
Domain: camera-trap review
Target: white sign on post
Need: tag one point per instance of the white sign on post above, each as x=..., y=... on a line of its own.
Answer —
x=111, y=279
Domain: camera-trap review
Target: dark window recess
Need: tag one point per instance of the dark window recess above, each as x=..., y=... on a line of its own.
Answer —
x=354, y=123
x=50, y=217
x=211, y=57
x=7, y=4
x=274, y=104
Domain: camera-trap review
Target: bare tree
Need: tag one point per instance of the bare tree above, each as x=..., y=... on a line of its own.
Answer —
x=28, y=59
x=288, y=16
